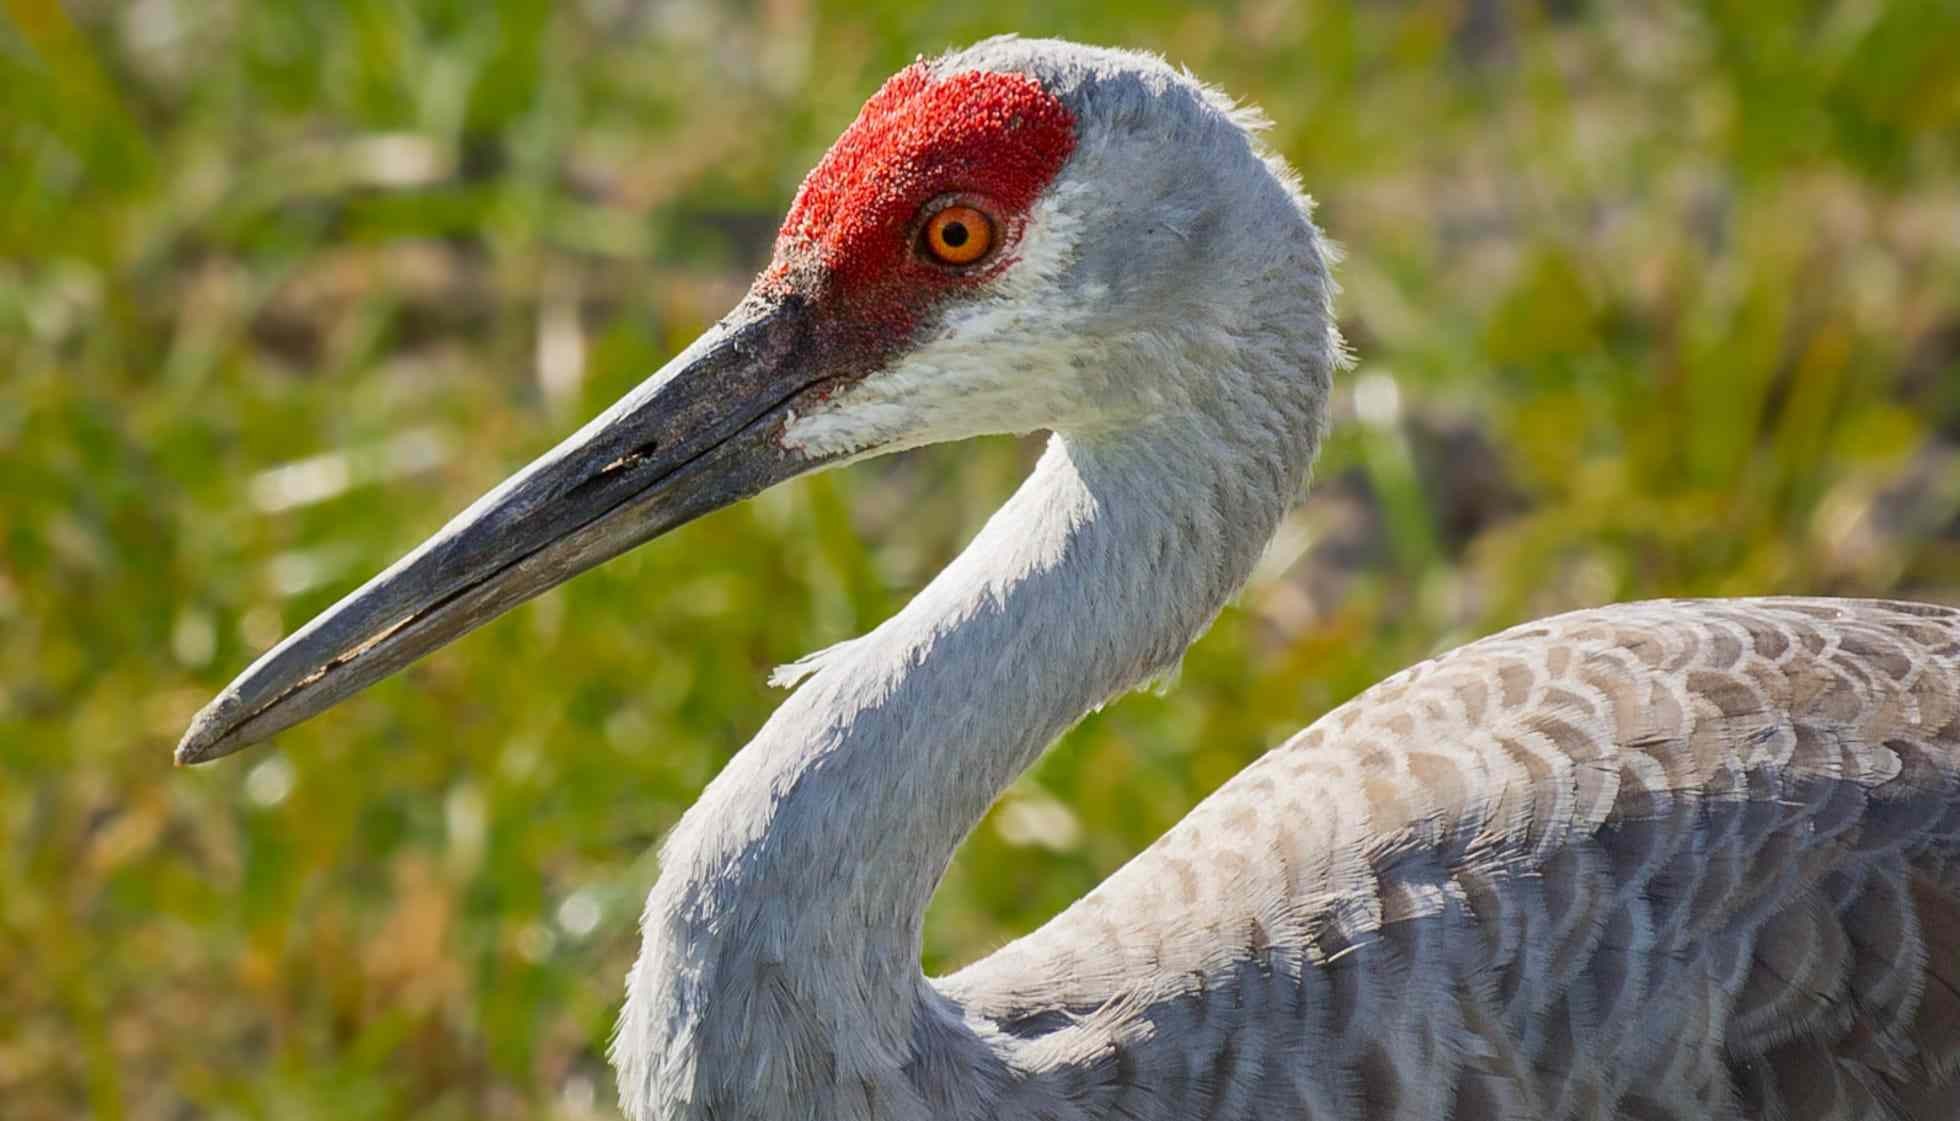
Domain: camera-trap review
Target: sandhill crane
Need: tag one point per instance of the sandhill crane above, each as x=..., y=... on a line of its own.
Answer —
x=1659, y=860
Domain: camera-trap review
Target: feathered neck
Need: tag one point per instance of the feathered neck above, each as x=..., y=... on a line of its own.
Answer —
x=781, y=945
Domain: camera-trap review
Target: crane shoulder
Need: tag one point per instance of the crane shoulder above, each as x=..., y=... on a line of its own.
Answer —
x=1683, y=858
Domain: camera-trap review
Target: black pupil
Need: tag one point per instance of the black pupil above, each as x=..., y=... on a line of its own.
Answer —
x=954, y=234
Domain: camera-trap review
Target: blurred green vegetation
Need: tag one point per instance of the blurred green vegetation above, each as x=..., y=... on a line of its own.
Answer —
x=1650, y=299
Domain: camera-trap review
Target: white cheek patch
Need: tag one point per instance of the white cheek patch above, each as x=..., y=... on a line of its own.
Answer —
x=998, y=364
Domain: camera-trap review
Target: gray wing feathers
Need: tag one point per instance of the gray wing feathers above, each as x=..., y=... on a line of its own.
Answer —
x=1685, y=859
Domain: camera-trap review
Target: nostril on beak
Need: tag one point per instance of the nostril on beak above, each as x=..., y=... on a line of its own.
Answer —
x=618, y=467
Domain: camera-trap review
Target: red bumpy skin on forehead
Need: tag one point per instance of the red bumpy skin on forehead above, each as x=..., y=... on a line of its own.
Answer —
x=1000, y=136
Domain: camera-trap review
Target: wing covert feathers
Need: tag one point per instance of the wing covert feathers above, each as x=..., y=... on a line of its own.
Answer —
x=1660, y=860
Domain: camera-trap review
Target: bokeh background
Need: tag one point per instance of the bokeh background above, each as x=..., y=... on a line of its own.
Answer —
x=1649, y=298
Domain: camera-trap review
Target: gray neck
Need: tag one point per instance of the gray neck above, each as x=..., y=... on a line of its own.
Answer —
x=781, y=949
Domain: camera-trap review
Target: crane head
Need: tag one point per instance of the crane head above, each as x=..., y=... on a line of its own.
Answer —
x=998, y=243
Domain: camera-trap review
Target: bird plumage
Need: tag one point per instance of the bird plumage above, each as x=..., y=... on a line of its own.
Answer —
x=1661, y=860
x=1677, y=859
x=1622, y=863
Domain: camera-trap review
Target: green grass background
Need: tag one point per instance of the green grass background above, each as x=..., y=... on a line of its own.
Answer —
x=1649, y=298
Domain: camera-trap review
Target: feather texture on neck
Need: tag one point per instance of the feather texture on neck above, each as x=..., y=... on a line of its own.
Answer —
x=784, y=933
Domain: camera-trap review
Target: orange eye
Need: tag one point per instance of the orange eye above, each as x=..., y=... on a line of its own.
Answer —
x=959, y=235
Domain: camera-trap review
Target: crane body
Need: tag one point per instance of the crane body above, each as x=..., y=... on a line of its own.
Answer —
x=1661, y=860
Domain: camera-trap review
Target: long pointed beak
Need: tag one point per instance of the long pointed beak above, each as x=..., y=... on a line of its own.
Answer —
x=699, y=435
